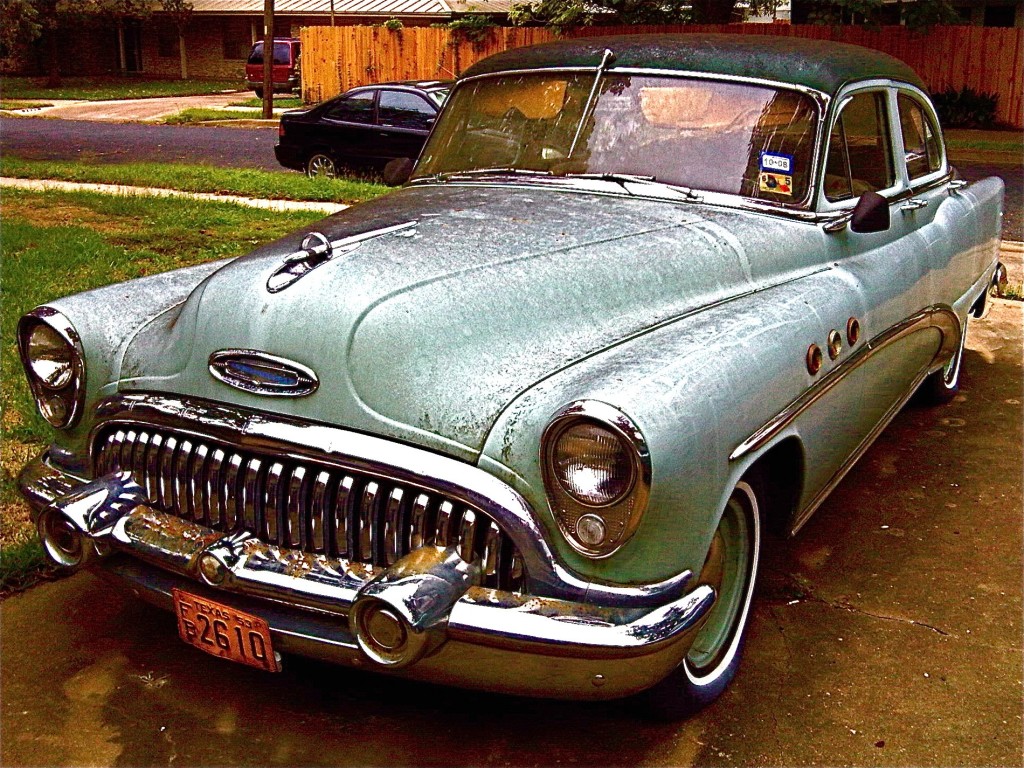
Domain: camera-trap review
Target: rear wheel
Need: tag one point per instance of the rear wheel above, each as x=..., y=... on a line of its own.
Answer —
x=258, y=92
x=714, y=657
x=941, y=387
x=321, y=166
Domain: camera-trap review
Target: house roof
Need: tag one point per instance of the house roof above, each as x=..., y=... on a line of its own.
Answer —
x=817, y=64
x=385, y=8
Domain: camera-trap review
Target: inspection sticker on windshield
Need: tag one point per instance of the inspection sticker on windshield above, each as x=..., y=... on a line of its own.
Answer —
x=777, y=183
x=776, y=163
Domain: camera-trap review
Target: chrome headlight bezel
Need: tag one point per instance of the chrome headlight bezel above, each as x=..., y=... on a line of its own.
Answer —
x=620, y=516
x=60, y=402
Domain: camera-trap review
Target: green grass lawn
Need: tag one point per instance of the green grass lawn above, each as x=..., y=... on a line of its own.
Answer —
x=55, y=244
x=202, y=115
x=999, y=141
x=21, y=104
x=248, y=182
x=103, y=88
x=279, y=101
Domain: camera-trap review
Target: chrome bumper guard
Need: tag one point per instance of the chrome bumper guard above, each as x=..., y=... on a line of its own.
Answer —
x=424, y=616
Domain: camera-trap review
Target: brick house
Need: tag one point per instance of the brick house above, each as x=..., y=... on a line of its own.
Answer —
x=221, y=33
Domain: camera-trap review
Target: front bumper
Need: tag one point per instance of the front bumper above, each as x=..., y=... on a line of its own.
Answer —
x=455, y=632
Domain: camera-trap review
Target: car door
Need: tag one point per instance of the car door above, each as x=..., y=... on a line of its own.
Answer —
x=347, y=127
x=945, y=218
x=880, y=320
x=405, y=119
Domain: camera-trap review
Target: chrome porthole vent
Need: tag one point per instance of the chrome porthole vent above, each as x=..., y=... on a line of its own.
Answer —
x=262, y=374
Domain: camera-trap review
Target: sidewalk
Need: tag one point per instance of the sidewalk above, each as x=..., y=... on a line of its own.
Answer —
x=134, y=110
x=120, y=189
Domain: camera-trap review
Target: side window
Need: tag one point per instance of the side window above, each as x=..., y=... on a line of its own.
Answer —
x=357, y=108
x=860, y=150
x=920, y=138
x=405, y=110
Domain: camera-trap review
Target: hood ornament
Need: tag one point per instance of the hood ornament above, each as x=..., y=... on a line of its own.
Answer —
x=261, y=374
x=316, y=249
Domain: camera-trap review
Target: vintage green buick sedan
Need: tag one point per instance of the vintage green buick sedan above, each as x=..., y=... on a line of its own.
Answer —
x=522, y=424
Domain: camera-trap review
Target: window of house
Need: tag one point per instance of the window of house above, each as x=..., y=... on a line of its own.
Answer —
x=357, y=108
x=859, y=149
x=404, y=110
x=920, y=138
x=235, y=38
x=167, y=42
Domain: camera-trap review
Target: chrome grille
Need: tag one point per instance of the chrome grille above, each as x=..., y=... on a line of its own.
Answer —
x=300, y=504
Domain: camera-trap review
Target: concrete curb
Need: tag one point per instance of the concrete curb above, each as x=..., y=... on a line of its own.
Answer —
x=122, y=189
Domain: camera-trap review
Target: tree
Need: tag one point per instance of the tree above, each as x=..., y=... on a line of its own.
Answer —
x=19, y=24
x=180, y=12
x=914, y=13
x=564, y=15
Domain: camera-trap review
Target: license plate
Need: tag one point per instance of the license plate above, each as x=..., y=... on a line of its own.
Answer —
x=224, y=631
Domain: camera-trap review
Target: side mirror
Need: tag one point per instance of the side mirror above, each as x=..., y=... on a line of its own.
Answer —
x=398, y=171
x=871, y=214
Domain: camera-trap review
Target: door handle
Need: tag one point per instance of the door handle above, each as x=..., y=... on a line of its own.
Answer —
x=913, y=204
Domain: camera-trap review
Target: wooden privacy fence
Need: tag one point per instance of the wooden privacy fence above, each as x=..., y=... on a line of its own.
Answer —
x=334, y=59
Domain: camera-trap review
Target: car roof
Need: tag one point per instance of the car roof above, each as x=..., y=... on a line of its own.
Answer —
x=423, y=85
x=816, y=64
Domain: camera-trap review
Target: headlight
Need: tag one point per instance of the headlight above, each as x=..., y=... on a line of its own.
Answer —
x=51, y=359
x=592, y=464
x=54, y=363
x=597, y=473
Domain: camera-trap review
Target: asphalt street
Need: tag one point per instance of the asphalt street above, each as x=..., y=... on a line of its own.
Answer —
x=44, y=139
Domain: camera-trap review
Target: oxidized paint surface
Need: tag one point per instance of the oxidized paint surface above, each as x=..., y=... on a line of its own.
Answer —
x=817, y=64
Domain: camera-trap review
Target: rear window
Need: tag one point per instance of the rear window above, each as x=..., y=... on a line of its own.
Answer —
x=281, y=54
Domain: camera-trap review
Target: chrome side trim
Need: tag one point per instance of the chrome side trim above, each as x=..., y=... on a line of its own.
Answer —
x=941, y=317
x=547, y=575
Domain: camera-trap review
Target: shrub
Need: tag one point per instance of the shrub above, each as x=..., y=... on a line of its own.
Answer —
x=966, y=108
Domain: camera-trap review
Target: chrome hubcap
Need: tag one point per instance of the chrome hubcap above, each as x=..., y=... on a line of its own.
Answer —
x=321, y=166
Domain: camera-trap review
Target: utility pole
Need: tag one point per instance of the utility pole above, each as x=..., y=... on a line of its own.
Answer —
x=268, y=59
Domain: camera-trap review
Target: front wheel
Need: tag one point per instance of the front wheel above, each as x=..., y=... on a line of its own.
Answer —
x=258, y=92
x=321, y=166
x=714, y=657
x=941, y=387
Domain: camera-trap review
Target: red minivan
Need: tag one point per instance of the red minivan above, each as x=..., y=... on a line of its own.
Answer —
x=286, y=66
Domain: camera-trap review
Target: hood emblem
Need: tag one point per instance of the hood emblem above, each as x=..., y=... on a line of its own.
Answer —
x=316, y=249
x=261, y=374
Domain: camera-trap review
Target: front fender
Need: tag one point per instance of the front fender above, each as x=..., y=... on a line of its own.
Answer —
x=106, y=320
x=697, y=387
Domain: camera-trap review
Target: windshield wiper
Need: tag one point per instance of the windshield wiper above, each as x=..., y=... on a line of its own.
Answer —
x=623, y=179
x=456, y=175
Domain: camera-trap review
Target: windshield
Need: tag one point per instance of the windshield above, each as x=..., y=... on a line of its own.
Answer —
x=438, y=95
x=281, y=54
x=740, y=139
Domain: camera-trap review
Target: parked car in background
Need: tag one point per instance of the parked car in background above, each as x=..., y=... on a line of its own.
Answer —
x=366, y=126
x=523, y=424
x=287, y=75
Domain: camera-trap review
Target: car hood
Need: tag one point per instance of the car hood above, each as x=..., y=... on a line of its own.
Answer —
x=425, y=332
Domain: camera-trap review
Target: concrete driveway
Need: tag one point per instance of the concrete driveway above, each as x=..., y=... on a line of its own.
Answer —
x=134, y=110
x=887, y=633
